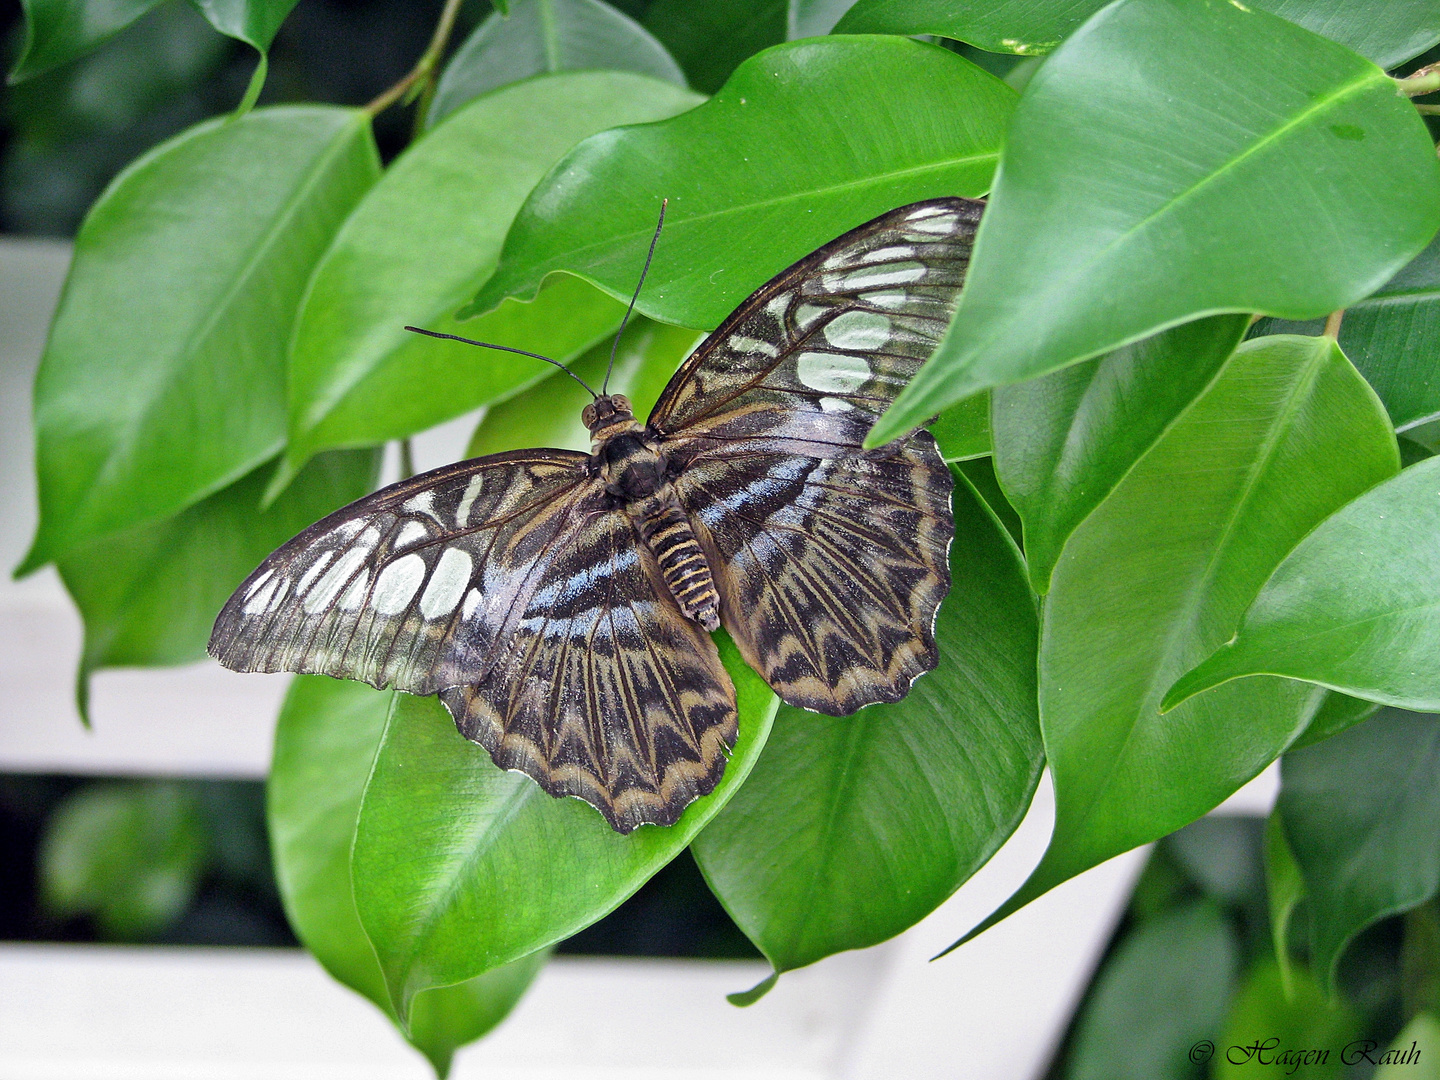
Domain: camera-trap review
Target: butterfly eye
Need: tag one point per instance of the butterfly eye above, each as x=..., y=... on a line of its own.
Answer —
x=621, y=403
x=587, y=416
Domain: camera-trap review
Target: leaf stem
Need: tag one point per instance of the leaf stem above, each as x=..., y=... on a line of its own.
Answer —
x=423, y=73
x=1424, y=81
x=252, y=92
x=1332, y=324
x=1428, y=110
x=407, y=459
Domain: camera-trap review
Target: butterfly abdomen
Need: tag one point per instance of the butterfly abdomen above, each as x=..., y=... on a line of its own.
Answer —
x=666, y=530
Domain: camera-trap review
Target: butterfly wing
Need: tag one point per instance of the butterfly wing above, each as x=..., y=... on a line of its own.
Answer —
x=511, y=585
x=831, y=560
x=816, y=354
x=413, y=586
x=606, y=690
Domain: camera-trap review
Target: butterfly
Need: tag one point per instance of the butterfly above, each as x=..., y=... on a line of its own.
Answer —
x=560, y=603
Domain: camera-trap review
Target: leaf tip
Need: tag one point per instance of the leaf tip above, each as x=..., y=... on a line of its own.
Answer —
x=744, y=998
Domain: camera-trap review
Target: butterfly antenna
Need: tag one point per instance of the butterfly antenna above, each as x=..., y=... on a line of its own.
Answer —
x=605, y=387
x=505, y=348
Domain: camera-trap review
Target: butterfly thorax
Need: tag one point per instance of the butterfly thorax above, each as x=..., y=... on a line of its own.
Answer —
x=636, y=477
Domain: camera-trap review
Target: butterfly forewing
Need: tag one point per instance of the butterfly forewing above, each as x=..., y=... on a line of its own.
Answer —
x=819, y=352
x=412, y=586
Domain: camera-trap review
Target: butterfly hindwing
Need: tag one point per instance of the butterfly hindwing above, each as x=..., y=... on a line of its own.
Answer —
x=830, y=570
x=605, y=690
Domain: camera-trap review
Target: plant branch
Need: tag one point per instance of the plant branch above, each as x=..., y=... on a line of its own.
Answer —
x=1332, y=324
x=424, y=70
x=1428, y=110
x=1424, y=81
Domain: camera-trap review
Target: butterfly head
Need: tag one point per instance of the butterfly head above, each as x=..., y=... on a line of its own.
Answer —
x=607, y=416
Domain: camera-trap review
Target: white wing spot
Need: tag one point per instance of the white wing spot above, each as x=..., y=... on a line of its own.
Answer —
x=335, y=578
x=412, y=532
x=447, y=584
x=397, y=583
x=861, y=331
x=342, y=533
x=355, y=594
x=424, y=503
x=472, y=601
x=888, y=298
x=753, y=345
x=889, y=254
x=255, y=585
x=472, y=489
x=937, y=226
x=779, y=305
x=256, y=602
x=876, y=276
x=314, y=572
x=832, y=373
x=806, y=314
x=835, y=404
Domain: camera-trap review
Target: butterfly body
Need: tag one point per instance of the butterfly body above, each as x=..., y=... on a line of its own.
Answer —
x=559, y=603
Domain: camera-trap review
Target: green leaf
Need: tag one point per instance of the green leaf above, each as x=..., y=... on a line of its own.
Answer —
x=810, y=18
x=251, y=21
x=540, y=36
x=1063, y=441
x=1162, y=991
x=711, y=39
x=325, y=741
x=1266, y=1023
x=804, y=142
x=981, y=474
x=1336, y=713
x=1355, y=607
x=1361, y=812
x=423, y=240
x=164, y=377
x=1089, y=244
x=149, y=595
x=548, y=414
x=963, y=431
x=459, y=866
x=129, y=854
x=1389, y=34
x=1418, y=1044
x=1392, y=337
x=1284, y=889
x=1161, y=572
x=852, y=829
x=58, y=31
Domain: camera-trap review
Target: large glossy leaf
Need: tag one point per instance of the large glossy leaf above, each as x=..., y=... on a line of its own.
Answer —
x=709, y=40
x=1392, y=337
x=1266, y=1023
x=1162, y=991
x=851, y=829
x=1338, y=712
x=1161, y=572
x=251, y=21
x=460, y=867
x=1355, y=607
x=1388, y=34
x=58, y=31
x=421, y=242
x=149, y=595
x=540, y=36
x=1137, y=193
x=549, y=414
x=1361, y=812
x=1418, y=1045
x=804, y=142
x=164, y=377
x=1063, y=441
x=324, y=745
x=963, y=431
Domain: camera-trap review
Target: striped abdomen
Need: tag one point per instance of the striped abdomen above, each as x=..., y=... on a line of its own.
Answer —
x=665, y=529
